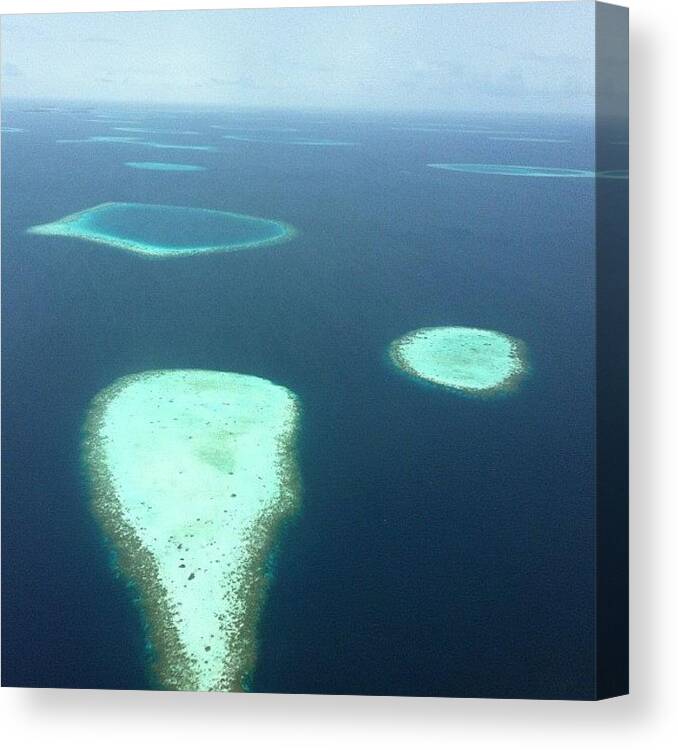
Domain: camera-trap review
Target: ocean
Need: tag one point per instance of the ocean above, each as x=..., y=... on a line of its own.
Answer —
x=445, y=544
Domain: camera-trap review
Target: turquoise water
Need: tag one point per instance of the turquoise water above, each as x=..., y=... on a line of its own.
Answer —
x=166, y=230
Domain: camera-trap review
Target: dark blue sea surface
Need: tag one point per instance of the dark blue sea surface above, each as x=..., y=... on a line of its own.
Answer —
x=445, y=545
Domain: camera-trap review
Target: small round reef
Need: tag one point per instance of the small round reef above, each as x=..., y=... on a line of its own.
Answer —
x=471, y=360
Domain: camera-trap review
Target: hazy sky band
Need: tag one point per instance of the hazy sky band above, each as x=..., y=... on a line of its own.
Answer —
x=517, y=57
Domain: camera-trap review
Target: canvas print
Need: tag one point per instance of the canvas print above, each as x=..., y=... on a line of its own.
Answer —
x=314, y=350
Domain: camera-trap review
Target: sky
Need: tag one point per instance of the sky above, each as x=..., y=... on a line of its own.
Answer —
x=517, y=57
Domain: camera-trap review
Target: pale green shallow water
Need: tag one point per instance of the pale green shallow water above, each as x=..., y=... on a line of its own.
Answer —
x=167, y=231
x=472, y=360
x=199, y=465
x=514, y=170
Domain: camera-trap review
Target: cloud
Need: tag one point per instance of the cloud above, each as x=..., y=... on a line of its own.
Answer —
x=244, y=82
x=11, y=71
x=105, y=41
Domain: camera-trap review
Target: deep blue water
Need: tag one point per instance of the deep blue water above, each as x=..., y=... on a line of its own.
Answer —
x=445, y=546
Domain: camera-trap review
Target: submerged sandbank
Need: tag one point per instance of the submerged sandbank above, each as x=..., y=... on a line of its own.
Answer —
x=157, y=132
x=514, y=170
x=191, y=472
x=449, y=129
x=100, y=139
x=257, y=128
x=177, y=146
x=472, y=360
x=164, y=166
x=136, y=141
x=108, y=121
x=167, y=231
x=288, y=141
x=614, y=174
x=527, y=139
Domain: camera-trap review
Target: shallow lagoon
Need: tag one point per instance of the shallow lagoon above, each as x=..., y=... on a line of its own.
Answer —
x=167, y=231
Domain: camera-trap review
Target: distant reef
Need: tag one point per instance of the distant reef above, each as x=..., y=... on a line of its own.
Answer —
x=191, y=472
x=470, y=360
x=295, y=141
x=135, y=140
x=164, y=166
x=515, y=170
